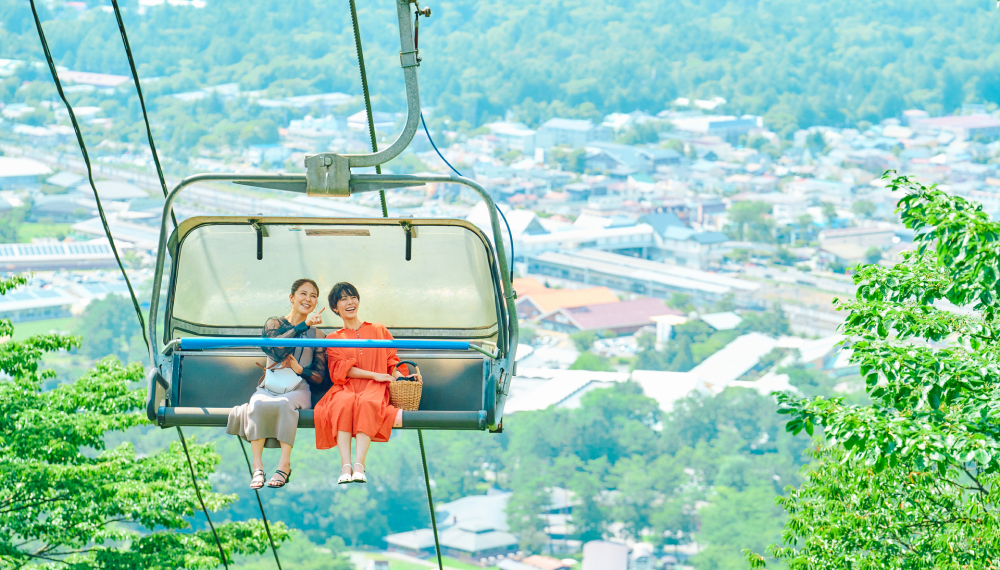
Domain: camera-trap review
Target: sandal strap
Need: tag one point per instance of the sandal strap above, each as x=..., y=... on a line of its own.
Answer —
x=284, y=478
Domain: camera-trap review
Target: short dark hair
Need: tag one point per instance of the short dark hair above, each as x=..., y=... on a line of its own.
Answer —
x=338, y=292
x=300, y=282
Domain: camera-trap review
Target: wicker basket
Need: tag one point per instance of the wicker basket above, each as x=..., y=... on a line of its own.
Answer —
x=405, y=392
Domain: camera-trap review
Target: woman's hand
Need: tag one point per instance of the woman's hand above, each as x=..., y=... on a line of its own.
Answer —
x=315, y=318
x=383, y=378
x=290, y=362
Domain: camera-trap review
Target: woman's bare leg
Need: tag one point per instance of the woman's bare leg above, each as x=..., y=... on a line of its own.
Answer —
x=363, y=442
x=344, y=445
x=257, y=448
x=398, y=422
x=285, y=463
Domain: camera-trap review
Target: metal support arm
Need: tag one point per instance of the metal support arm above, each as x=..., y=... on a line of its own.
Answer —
x=328, y=173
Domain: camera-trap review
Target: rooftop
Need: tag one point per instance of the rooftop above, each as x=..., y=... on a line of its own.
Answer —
x=617, y=315
x=11, y=166
x=959, y=121
x=567, y=124
x=549, y=300
x=734, y=360
x=722, y=321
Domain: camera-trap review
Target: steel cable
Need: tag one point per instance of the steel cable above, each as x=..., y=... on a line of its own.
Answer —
x=368, y=99
x=267, y=527
x=111, y=241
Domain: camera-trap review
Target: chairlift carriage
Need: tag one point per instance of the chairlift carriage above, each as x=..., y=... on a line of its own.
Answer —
x=441, y=286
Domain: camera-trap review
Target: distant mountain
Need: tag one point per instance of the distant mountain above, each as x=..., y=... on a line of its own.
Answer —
x=799, y=63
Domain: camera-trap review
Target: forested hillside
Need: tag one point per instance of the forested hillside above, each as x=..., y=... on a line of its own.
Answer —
x=795, y=62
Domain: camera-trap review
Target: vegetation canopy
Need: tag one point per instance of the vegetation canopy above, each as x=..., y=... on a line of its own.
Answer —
x=910, y=481
x=66, y=500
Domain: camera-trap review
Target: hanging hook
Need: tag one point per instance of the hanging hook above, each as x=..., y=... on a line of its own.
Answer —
x=411, y=233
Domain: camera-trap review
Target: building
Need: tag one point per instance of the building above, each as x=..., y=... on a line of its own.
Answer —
x=635, y=239
x=474, y=541
x=636, y=158
x=536, y=303
x=34, y=304
x=18, y=173
x=690, y=248
x=96, y=79
x=113, y=190
x=625, y=317
x=727, y=127
x=513, y=136
x=722, y=321
x=470, y=528
x=570, y=132
x=383, y=121
x=865, y=237
x=538, y=562
x=603, y=555
x=625, y=273
x=963, y=127
x=734, y=360
x=95, y=254
x=65, y=180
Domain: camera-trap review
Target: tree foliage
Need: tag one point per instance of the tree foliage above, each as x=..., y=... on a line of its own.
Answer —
x=108, y=327
x=797, y=64
x=65, y=498
x=910, y=481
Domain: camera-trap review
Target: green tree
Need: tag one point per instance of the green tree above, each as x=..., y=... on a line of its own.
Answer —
x=734, y=520
x=773, y=322
x=67, y=500
x=863, y=208
x=109, y=327
x=910, y=480
x=829, y=211
x=10, y=223
x=641, y=133
x=747, y=220
x=873, y=255
x=590, y=361
x=583, y=340
x=532, y=498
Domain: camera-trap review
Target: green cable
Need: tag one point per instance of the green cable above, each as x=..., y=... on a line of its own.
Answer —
x=368, y=99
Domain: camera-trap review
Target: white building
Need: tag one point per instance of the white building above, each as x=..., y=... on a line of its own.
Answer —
x=17, y=172
x=513, y=136
x=570, y=132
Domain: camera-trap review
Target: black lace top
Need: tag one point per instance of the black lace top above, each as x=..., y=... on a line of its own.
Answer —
x=312, y=361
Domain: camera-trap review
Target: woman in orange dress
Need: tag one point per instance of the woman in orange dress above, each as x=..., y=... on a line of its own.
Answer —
x=358, y=403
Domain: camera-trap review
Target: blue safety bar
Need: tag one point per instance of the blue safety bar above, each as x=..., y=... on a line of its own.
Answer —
x=196, y=343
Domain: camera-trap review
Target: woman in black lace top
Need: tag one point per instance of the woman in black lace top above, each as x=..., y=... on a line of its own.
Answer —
x=269, y=419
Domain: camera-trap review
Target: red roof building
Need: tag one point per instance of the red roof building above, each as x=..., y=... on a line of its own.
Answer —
x=625, y=317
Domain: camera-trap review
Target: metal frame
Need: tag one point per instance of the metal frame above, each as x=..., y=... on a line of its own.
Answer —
x=507, y=331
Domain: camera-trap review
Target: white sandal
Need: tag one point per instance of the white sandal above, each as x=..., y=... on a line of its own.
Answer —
x=359, y=476
x=345, y=477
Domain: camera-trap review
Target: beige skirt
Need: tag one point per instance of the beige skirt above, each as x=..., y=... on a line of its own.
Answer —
x=269, y=417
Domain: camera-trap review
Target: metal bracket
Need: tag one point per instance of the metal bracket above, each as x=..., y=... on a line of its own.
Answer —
x=409, y=58
x=328, y=174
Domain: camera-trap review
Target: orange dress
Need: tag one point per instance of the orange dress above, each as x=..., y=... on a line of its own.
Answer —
x=357, y=405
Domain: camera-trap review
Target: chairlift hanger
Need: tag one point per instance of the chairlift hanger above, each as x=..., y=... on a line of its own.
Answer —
x=190, y=373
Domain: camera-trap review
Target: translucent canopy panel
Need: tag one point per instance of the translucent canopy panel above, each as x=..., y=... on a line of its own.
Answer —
x=446, y=290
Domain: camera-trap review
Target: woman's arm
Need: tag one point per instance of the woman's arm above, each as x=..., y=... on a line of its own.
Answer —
x=317, y=371
x=392, y=359
x=356, y=372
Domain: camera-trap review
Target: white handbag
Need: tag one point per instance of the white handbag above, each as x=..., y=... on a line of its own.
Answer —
x=279, y=380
